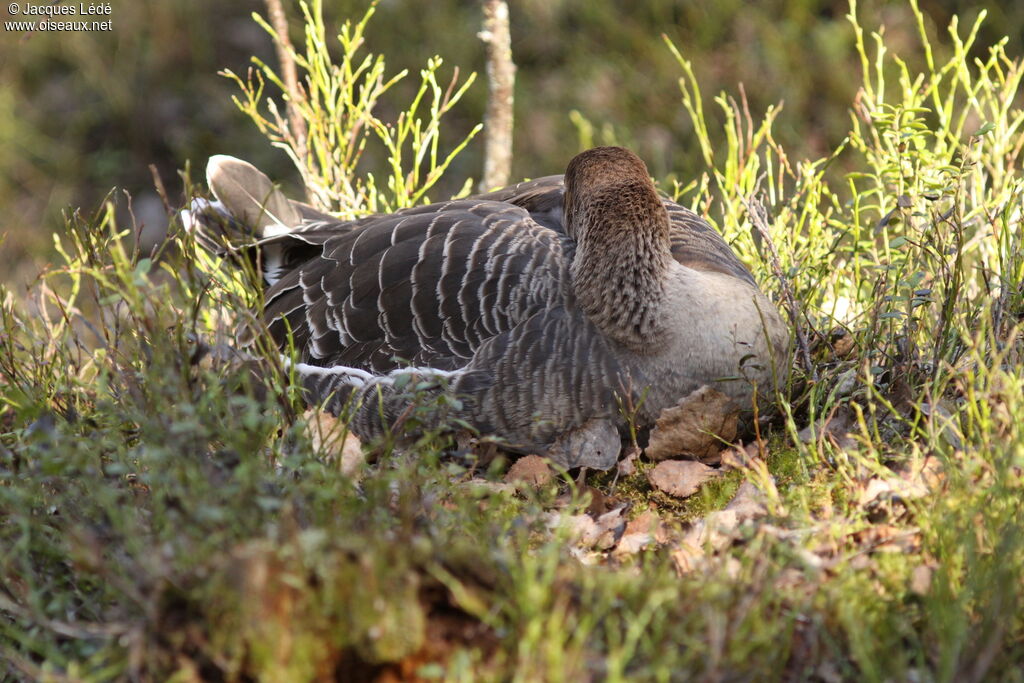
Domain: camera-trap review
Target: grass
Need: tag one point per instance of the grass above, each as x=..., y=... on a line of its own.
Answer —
x=163, y=517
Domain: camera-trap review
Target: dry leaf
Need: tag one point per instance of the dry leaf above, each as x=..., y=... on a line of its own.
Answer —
x=586, y=532
x=875, y=488
x=639, y=533
x=716, y=532
x=646, y=522
x=861, y=562
x=921, y=579
x=579, y=527
x=586, y=557
x=631, y=544
x=843, y=344
x=331, y=437
x=687, y=558
x=696, y=426
x=610, y=527
x=922, y=477
x=680, y=478
x=748, y=503
x=530, y=470
x=481, y=486
x=740, y=457
x=838, y=427
x=627, y=465
x=887, y=538
x=720, y=528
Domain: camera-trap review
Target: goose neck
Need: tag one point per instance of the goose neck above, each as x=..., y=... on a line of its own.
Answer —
x=622, y=263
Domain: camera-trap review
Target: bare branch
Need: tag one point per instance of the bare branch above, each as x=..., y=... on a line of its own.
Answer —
x=283, y=46
x=501, y=76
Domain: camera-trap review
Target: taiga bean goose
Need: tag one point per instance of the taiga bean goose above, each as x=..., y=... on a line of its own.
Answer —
x=543, y=307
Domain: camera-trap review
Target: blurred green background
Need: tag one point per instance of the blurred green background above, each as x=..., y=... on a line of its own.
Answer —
x=82, y=113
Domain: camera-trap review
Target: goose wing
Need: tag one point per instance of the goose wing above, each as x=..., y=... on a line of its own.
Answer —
x=426, y=286
x=698, y=245
x=694, y=242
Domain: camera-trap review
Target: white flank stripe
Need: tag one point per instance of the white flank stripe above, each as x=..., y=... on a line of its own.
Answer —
x=353, y=377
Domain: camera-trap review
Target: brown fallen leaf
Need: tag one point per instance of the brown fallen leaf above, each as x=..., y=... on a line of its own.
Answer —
x=600, y=502
x=482, y=487
x=639, y=533
x=646, y=522
x=696, y=427
x=587, y=532
x=530, y=470
x=876, y=489
x=925, y=475
x=631, y=544
x=842, y=343
x=578, y=527
x=862, y=562
x=916, y=481
x=837, y=427
x=921, y=579
x=887, y=538
x=688, y=558
x=716, y=530
x=739, y=457
x=748, y=503
x=792, y=580
x=331, y=437
x=627, y=465
x=680, y=478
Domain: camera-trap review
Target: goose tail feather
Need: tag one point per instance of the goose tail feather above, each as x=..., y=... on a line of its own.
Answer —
x=246, y=207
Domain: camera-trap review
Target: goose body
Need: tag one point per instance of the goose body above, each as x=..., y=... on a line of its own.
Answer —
x=547, y=309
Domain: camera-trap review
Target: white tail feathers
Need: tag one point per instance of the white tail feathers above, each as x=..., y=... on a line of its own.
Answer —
x=248, y=195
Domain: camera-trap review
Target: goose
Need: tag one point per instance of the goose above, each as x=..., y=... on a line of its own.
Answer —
x=537, y=313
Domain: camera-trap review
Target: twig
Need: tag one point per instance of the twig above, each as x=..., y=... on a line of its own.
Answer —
x=759, y=217
x=501, y=76
x=283, y=46
x=158, y=183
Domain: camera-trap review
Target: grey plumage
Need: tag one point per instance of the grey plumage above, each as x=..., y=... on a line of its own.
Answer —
x=536, y=306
